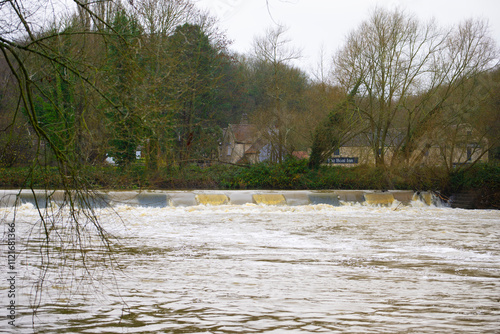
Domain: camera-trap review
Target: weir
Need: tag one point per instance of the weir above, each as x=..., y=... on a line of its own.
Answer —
x=159, y=199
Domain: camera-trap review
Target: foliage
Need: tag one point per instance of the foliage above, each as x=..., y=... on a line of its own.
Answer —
x=123, y=75
x=481, y=176
x=292, y=174
x=339, y=126
x=194, y=83
x=115, y=77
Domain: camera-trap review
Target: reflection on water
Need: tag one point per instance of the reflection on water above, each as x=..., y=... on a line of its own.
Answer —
x=308, y=269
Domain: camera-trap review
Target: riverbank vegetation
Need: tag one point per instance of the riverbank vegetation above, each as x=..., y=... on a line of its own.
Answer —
x=292, y=174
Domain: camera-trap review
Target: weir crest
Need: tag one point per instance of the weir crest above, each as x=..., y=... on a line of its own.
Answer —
x=158, y=199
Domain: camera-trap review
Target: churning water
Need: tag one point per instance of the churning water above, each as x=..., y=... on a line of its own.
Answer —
x=266, y=269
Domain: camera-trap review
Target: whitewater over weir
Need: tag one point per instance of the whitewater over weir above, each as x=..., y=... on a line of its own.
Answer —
x=351, y=267
x=161, y=199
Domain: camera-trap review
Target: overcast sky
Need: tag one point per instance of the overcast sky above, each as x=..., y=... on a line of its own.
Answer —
x=323, y=24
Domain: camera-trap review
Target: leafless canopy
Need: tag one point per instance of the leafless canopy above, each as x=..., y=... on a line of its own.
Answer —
x=409, y=70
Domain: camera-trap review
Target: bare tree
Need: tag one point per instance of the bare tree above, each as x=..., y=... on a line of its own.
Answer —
x=408, y=72
x=274, y=49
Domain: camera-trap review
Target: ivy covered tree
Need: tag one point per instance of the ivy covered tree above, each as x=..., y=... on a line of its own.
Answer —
x=341, y=124
x=55, y=108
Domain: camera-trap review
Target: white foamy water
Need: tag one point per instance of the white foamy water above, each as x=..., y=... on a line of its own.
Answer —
x=264, y=269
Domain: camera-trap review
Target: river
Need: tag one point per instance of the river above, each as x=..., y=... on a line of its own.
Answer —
x=271, y=269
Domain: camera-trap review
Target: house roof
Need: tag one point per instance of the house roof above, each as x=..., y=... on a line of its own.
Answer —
x=256, y=147
x=300, y=154
x=244, y=133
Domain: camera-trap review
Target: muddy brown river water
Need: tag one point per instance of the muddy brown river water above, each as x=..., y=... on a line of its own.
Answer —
x=274, y=269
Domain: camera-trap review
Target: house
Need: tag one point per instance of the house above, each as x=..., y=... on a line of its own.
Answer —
x=462, y=147
x=242, y=143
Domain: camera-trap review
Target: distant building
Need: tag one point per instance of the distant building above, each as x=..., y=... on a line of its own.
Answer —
x=436, y=149
x=300, y=155
x=242, y=144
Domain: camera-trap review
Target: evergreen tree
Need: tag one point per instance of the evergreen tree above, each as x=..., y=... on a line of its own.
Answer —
x=193, y=91
x=124, y=69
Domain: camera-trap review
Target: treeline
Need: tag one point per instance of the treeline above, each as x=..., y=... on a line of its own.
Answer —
x=113, y=78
